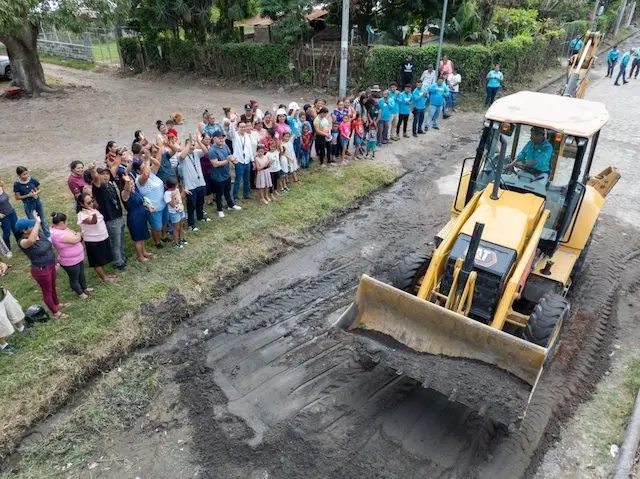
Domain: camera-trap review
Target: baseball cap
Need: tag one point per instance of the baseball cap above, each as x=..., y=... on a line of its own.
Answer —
x=217, y=134
x=248, y=106
x=22, y=225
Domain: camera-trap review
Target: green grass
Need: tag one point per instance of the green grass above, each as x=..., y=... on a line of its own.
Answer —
x=72, y=63
x=118, y=401
x=106, y=53
x=59, y=355
x=611, y=408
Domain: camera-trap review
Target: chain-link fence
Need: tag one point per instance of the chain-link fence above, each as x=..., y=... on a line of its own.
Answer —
x=97, y=45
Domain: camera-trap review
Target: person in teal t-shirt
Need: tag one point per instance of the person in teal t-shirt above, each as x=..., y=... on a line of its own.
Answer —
x=535, y=157
x=438, y=92
x=612, y=59
x=494, y=82
x=419, y=104
x=405, y=99
x=624, y=61
x=394, y=94
x=575, y=45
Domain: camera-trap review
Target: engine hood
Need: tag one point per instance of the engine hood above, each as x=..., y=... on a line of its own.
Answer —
x=509, y=220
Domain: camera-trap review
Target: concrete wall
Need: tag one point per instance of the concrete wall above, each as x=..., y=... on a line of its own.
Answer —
x=65, y=50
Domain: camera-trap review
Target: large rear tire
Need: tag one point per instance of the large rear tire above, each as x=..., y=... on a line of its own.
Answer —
x=410, y=271
x=545, y=323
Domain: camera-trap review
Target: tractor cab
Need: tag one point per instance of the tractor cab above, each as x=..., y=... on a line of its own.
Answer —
x=534, y=143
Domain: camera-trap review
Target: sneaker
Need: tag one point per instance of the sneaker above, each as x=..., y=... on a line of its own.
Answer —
x=405, y=135
x=286, y=188
x=415, y=135
x=24, y=331
x=193, y=229
x=436, y=128
x=9, y=254
x=8, y=349
x=205, y=220
x=237, y=208
x=177, y=246
x=184, y=242
x=220, y=214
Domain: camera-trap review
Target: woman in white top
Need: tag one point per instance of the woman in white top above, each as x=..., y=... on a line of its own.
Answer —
x=95, y=235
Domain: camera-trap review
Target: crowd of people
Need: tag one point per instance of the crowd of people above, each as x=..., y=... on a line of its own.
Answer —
x=157, y=188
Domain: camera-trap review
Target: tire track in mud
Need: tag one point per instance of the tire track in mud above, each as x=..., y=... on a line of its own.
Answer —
x=579, y=363
x=289, y=399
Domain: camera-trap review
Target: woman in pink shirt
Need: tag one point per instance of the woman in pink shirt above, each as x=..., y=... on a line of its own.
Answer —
x=68, y=244
x=95, y=236
x=281, y=124
x=446, y=66
x=76, y=182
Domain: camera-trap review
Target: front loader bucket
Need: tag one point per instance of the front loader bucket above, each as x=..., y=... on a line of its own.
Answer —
x=463, y=357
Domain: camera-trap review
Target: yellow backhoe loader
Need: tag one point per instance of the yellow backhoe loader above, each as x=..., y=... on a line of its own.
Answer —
x=479, y=317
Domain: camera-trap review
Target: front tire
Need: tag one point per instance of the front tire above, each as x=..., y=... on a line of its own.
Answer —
x=545, y=323
x=410, y=271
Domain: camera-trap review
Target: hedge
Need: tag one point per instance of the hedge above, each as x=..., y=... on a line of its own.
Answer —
x=240, y=61
x=518, y=57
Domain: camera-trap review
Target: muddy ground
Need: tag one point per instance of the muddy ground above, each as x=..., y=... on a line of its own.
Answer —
x=256, y=386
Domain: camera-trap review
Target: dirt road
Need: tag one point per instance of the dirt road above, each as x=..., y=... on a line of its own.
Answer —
x=256, y=386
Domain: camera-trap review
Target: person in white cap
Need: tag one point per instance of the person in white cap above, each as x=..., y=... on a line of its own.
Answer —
x=281, y=126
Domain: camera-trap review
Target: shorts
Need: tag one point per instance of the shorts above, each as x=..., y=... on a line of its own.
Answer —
x=10, y=314
x=176, y=217
x=371, y=145
x=344, y=142
x=282, y=173
x=357, y=140
x=156, y=219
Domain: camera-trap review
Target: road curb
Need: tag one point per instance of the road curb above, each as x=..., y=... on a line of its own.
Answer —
x=600, y=51
x=629, y=448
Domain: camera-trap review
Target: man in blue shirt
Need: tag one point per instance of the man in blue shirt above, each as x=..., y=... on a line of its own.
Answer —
x=575, y=45
x=612, y=59
x=535, y=157
x=394, y=95
x=405, y=99
x=385, y=118
x=437, y=94
x=419, y=103
x=635, y=64
x=624, y=61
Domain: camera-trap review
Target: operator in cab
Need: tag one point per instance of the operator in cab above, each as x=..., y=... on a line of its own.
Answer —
x=535, y=157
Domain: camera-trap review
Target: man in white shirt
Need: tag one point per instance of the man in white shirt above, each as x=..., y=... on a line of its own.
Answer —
x=429, y=77
x=453, y=82
x=243, y=151
x=194, y=182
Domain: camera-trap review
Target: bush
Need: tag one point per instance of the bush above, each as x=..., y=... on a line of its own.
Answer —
x=237, y=61
x=519, y=58
x=511, y=22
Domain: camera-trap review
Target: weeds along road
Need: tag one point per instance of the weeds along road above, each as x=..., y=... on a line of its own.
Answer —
x=256, y=386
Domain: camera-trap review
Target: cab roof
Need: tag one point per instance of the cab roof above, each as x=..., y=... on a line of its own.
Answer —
x=570, y=116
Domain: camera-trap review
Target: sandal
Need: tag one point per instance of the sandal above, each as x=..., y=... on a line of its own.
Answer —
x=61, y=315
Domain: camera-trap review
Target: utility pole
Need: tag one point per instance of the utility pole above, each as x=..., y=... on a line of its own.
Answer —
x=344, y=48
x=594, y=18
x=444, y=19
x=623, y=7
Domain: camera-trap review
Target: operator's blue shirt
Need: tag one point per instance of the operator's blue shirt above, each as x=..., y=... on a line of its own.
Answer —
x=437, y=94
x=419, y=99
x=404, y=103
x=542, y=153
x=613, y=55
x=625, y=59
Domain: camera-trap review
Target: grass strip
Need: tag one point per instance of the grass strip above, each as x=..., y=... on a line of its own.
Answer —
x=56, y=357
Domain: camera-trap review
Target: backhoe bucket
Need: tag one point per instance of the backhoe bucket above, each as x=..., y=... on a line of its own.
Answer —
x=465, y=359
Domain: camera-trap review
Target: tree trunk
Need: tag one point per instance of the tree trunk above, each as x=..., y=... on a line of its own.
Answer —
x=26, y=69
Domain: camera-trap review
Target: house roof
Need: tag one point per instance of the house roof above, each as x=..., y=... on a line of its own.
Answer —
x=258, y=21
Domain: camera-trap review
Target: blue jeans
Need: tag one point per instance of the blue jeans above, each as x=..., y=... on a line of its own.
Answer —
x=418, y=119
x=297, y=146
x=8, y=224
x=243, y=173
x=451, y=99
x=491, y=95
x=304, y=162
x=32, y=205
x=116, y=238
x=434, y=113
x=622, y=73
